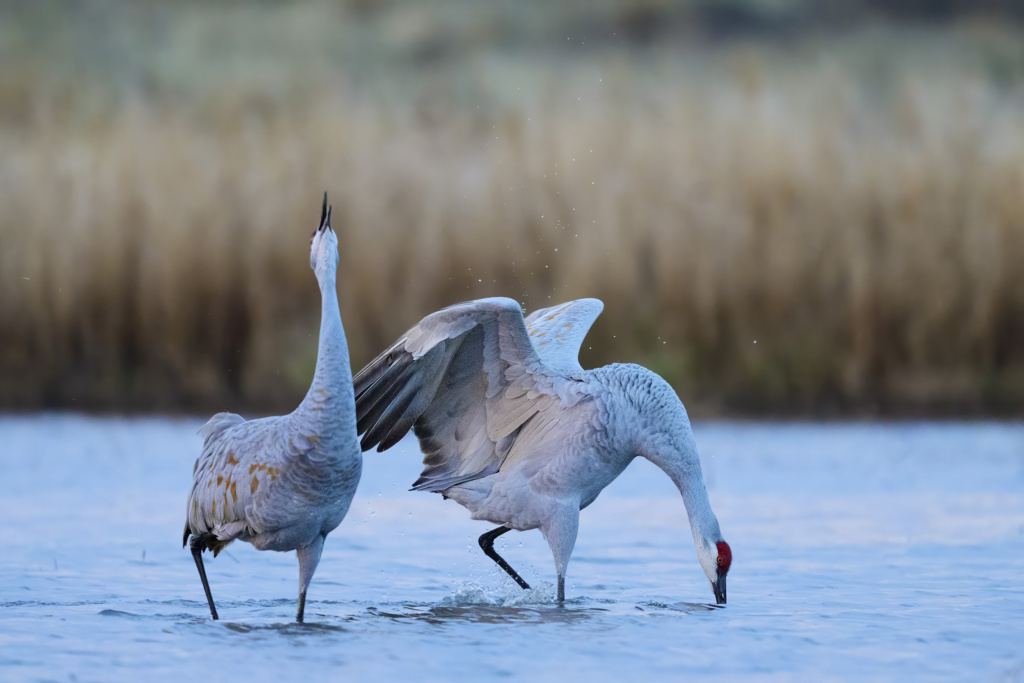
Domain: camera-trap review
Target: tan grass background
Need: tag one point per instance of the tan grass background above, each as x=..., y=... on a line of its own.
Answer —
x=771, y=239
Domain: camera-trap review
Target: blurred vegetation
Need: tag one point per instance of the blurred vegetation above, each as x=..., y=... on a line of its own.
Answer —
x=841, y=182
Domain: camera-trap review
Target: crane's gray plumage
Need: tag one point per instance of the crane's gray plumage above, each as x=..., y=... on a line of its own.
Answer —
x=513, y=428
x=283, y=483
x=557, y=332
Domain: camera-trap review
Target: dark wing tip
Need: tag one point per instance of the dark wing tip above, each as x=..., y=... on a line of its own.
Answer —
x=323, y=211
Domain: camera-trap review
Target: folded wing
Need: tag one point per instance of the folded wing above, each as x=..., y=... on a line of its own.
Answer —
x=238, y=472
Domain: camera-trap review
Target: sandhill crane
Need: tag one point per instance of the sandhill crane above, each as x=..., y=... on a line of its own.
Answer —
x=283, y=483
x=515, y=430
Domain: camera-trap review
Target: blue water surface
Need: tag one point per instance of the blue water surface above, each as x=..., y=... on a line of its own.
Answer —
x=862, y=551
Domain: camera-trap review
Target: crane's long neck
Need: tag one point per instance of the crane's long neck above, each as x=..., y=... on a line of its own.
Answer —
x=331, y=393
x=675, y=452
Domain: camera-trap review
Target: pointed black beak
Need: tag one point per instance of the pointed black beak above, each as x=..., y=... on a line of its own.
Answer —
x=325, y=217
x=719, y=588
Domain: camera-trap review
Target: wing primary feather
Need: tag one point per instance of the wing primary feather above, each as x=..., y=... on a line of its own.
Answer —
x=439, y=484
x=373, y=414
x=369, y=412
x=399, y=430
x=381, y=430
x=430, y=370
x=384, y=387
x=369, y=375
x=405, y=421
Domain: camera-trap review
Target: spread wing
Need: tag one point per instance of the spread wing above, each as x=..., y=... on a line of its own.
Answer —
x=557, y=332
x=466, y=380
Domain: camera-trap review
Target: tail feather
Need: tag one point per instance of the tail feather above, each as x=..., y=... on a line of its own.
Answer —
x=207, y=541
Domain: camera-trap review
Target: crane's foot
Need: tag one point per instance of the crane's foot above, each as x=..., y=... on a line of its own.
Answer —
x=300, y=616
x=487, y=545
x=197, y=555
x=561, y=589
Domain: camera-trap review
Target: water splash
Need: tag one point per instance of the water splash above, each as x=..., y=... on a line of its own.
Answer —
x=469, y=593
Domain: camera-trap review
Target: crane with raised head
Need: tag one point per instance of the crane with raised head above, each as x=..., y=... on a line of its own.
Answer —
x=283, y=483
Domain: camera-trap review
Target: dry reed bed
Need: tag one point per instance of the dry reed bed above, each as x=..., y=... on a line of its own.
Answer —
x=870, y=246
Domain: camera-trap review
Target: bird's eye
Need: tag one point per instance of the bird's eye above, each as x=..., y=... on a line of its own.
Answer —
x=721, y=561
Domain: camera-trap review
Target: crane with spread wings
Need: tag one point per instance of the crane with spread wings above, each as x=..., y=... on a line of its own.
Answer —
x=515, y=430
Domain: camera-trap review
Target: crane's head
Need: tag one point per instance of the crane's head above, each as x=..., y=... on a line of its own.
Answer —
x=715, y=559
x=323, y=248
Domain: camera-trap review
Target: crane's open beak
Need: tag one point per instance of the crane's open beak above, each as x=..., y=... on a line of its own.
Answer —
x=719, y=588
x=325, y=217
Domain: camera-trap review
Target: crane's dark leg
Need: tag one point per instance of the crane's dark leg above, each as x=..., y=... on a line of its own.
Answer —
x=309, y=558
x=561, y=589
x=487, y=545
x=197, y=555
